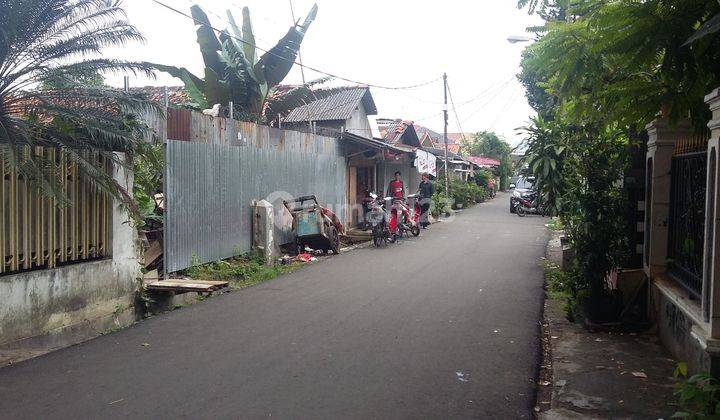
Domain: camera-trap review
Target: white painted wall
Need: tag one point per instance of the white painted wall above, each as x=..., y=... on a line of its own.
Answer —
x=358, y=122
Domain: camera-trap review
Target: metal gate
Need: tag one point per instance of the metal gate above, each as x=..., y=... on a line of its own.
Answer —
x=687, y=220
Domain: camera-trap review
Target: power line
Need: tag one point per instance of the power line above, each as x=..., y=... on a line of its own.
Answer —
x=507, y=105
x=457, y=119
x=295, y=62
x=481, y=94
x=498, y=91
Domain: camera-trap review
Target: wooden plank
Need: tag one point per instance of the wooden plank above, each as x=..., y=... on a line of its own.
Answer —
x=180, y=285
x=210, y=282
x=153, y=252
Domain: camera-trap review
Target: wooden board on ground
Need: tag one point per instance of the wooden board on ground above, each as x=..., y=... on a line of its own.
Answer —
x=180, y=285
x=357, y=235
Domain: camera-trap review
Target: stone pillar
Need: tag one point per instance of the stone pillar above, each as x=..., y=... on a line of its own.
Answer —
x=661, y=144
x=711, y=258
x=263, y=230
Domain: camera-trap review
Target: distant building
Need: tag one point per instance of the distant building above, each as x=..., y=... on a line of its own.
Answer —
x=346, y=110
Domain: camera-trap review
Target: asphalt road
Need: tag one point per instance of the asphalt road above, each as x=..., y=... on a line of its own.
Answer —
x=442, y=326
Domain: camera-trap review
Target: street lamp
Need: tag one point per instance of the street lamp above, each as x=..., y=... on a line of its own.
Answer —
x=514, y=39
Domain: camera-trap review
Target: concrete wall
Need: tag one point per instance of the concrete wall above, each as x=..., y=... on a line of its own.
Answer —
x=679, y=331
x=410, y=176
x=44, y=309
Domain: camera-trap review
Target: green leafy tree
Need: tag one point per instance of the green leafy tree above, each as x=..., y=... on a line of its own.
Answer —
x=546, y=142
x=619, y=58
x=49, y=43
x=234, y=72
x=489, y=144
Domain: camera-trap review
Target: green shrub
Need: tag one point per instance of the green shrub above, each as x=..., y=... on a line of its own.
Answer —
x=441, y=205
x=699, y=395
x=462, y=194
x=242, y=271
x=567, y=286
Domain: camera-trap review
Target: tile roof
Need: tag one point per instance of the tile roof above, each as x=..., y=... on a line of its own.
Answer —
x=436, y=137
x=177, y=95
x=338, y=106
x=393, y=131
x=457, y=137
x=421, y=131
x=440, y=152
x=452, y=147
x=483, y=161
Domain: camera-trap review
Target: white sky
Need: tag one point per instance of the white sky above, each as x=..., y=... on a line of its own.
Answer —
x=390, y=42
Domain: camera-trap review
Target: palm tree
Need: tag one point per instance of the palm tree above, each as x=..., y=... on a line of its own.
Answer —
x=43, y=42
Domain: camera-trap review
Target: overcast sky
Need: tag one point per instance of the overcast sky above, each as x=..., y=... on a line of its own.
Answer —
x=389, y=42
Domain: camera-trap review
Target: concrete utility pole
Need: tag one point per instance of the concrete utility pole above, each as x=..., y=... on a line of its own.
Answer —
x=445, y=116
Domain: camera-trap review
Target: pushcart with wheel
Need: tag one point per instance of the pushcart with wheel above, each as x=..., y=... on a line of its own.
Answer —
x=312, y=225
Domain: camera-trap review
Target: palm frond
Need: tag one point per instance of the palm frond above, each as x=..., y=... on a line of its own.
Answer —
x=51, y=40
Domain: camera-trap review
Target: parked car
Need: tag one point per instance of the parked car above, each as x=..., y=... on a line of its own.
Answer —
x=521, y=188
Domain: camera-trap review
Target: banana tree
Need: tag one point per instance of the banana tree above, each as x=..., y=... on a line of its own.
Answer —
x=233, y=69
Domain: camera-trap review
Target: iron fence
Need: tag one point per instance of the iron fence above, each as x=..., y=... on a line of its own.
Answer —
x=37, y=231
x=687, y=220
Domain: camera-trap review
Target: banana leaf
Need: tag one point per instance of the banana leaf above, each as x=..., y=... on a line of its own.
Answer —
x=216, y=90
x=194, y=85
x=243, y=89
x=276, y=63
x=209, y=43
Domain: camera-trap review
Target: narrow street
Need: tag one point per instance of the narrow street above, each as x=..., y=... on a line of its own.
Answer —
x=443, y=326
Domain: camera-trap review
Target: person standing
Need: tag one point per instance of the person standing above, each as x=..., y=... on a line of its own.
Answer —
x=425, y=193
x=396, y=188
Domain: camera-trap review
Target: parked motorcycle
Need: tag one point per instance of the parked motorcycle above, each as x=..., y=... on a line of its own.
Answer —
x=377, y=218
x=401, y=220
x=529, y=205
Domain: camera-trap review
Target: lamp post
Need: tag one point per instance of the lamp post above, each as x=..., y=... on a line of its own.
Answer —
x=514, y=39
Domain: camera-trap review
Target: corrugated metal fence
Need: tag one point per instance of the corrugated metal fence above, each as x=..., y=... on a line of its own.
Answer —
x=213, y=177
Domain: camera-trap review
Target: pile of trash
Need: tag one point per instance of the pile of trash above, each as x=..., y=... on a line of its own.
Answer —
x=303, y=258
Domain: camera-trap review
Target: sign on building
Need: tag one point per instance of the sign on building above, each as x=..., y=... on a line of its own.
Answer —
x=425, y=162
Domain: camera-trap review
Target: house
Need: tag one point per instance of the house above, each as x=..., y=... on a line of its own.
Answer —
x=400, y=134
x=430, y=138
x=346, y=110
x=484, y=162
x=681, y=254
x=67, y=272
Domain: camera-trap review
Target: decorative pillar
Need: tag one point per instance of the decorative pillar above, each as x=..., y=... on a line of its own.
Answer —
x=661, y=145
x=711, y=257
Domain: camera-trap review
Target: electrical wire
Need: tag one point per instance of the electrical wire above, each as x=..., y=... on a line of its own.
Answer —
x=295, y=62
x=497, y=92
x=457, y=119
x=503, y=110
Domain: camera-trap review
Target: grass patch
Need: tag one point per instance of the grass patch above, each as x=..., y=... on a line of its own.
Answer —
x=557, y=281
x=560, y=285
x=555, y=224
x=241, y=271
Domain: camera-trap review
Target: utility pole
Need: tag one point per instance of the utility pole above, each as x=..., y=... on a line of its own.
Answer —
x=445, y=116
